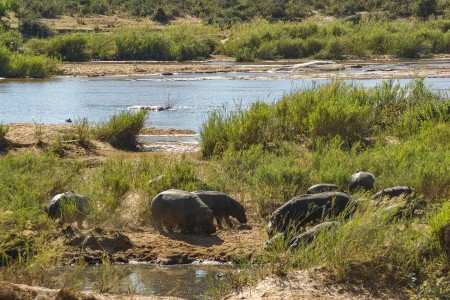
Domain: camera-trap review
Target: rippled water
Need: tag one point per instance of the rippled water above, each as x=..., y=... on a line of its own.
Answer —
x=192, y=96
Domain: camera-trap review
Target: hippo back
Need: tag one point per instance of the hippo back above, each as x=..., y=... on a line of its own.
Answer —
x=322, y=187
x=361, y=180
x=395, y=191
x=222, y=204
x=177, y=207
x=307, y=208
x=68, y=207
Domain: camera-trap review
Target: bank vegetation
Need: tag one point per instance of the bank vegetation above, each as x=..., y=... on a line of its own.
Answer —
x=270, y=153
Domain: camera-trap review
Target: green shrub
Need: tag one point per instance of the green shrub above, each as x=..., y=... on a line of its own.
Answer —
x=3, y=131
x=22, y=65
x=337, y=109
x=83, y=133
x=121, y=130
x=71, y=47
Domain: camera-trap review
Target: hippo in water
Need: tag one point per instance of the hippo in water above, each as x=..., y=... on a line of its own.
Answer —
x=182, y=209
x=395, y=191
x=307, y=208
x=69, y=207
x=222, y=206
x=361, y=180
x=322, y=187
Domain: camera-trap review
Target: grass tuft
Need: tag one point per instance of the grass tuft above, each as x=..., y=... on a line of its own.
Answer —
x=121, y=130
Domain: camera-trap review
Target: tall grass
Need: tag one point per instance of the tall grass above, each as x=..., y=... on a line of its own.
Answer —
x=177, y=42
x=3, y=131
x=13, y=64
x=337, y=109
x=121, y=130
x=264, y=40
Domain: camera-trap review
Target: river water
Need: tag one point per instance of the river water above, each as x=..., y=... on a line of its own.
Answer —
x=192, y=96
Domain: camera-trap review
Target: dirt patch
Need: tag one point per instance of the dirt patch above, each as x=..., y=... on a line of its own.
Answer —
x=11, y=291
x=311, y=284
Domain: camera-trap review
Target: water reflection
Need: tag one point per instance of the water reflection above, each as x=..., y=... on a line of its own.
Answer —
x=184, y=281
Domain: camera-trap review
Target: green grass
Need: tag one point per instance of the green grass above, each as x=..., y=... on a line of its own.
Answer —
x=121, y=130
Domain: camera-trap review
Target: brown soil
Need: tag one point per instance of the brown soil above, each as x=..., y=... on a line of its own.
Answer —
x=137, y=243
x=312, y=284
x=11, y=291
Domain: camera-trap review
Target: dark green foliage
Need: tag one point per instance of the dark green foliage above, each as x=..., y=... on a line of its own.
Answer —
x=3, y=132
x=227, y=13
x=30, y=28
x=121, y=130
x=160, y=16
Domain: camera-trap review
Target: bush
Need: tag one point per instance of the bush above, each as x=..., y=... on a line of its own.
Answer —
x=34, y=29
x=121, y=130
x=3, y=131
x=22, y=65
x=349, y=112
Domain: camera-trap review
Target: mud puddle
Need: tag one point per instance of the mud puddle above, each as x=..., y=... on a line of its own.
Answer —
x=193, y=281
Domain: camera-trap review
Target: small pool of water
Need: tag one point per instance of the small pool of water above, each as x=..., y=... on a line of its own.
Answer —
x=193, y=281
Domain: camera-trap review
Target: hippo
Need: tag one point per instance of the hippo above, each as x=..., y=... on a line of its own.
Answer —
x=182, y=209
x=223, y=206
x=293, y=240
x=309, y=235
x=395, y=191
x=322, y=187
x=306, y=208
x=361, y=180
x=69, y=207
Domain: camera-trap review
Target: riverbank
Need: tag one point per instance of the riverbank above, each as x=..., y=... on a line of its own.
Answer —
x=374, y=68
x=394, y=245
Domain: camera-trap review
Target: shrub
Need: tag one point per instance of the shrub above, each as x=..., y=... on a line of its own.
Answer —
x=34, y=28
x=349, y=112
x=3, y=131
x=121, y=130
x=71, y=47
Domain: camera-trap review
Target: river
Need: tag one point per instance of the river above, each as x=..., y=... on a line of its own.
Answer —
x=51, y=101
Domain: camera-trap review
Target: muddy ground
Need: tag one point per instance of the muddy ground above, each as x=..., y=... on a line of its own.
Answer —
x=136, y=243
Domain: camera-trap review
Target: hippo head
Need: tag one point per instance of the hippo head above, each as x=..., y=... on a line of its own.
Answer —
x=205, y=222
x=239, y=214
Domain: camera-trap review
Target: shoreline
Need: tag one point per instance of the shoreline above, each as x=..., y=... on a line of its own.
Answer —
x=420, y=67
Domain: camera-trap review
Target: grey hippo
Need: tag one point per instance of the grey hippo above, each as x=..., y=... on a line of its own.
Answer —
x=395, y=191
x=223, y=207
x=322, y=187
x=69, y=207
x=305, y=209
x=361, y=180
x=182, y=209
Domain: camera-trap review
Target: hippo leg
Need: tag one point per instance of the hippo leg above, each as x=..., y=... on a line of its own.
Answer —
x=227, y=219
x=219, y=222
x=80, y=223
x=159, y=226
